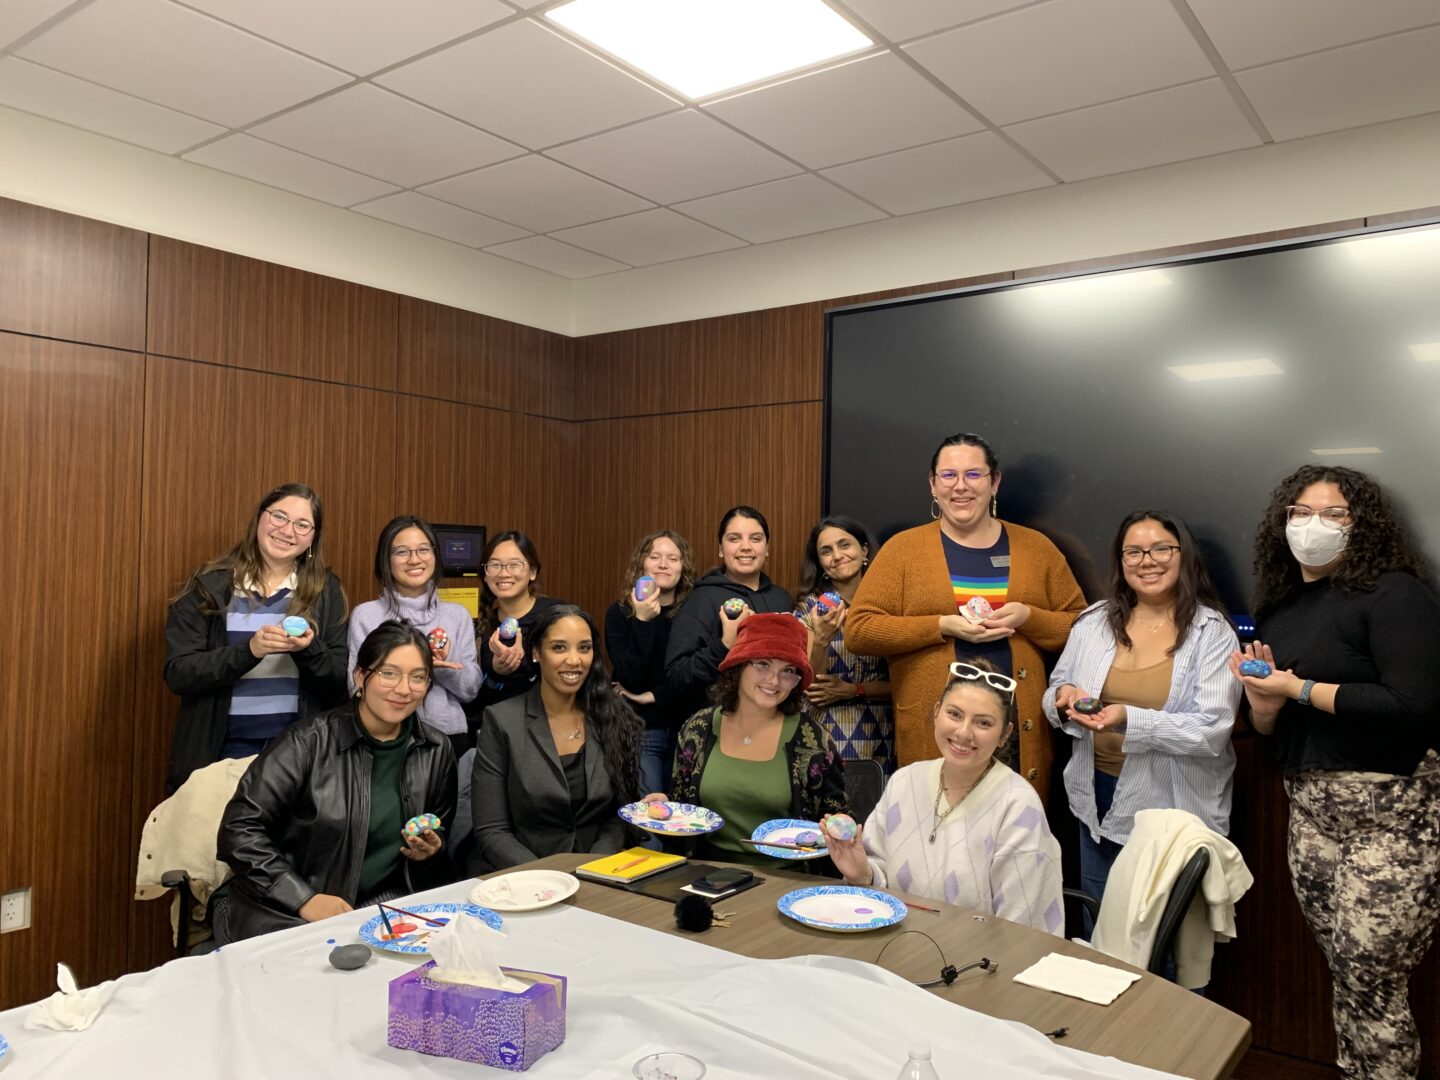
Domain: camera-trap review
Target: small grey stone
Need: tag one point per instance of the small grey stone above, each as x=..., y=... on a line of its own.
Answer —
x=349, y=957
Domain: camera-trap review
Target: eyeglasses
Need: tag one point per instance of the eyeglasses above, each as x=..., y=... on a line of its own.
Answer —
x=1161, y=553
x=281, y=519
x=787, y=675
x=961, y=670
x=949, y=477
x=1337, y=517
x=422, y=552
x=387, y=678
x=494, y=568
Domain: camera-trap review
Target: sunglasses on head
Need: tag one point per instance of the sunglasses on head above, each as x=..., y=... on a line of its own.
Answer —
x=962, y=670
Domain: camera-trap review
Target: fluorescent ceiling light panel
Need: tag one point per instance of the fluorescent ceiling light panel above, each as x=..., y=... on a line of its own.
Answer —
x=1422, y=242
x=701, y=47
x=1225, y=369
x=1426, y=351
x=1345, y=451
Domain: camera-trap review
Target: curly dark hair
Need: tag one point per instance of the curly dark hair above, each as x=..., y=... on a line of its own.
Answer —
x=1193, y=590
x=1379, y=541
x=635, y=569
x=811, y=576
x=608, y=717
x=725, y=692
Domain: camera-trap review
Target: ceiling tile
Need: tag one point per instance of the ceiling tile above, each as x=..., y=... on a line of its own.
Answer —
x=180, y=58
x=856, y=110
x=1358, y=84
x=793, y=207
x=680, y=155
x=1063, y=55
x=19, y=17
x=962, y=170
x=73, y=101
x=528, y=84
x=652, y=237
x=282, y=168
x=536, y=193
x=416, y=211
x=358, y=35
x=547, y=254
x=1249, y=33
x=1182, y=122
x=901, y=20
x=374, y=131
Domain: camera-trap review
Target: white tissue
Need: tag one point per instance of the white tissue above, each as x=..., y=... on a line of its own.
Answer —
x=495, y=892
x=466, y=951
x=69, y=1008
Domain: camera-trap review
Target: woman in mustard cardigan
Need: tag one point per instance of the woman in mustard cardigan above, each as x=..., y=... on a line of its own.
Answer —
x=922, y=605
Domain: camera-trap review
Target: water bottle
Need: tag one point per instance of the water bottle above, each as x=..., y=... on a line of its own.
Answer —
x=918, y=1066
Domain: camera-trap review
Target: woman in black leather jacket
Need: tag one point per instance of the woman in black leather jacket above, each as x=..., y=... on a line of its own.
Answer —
x=315, y=826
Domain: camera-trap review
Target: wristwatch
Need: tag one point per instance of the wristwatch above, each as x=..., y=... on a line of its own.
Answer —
x=1304, y=698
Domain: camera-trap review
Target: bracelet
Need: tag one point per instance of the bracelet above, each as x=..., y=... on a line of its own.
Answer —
x=1305, y=688
x=860, y=690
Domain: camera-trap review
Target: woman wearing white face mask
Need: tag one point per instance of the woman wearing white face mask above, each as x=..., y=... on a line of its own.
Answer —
x=1353, y=633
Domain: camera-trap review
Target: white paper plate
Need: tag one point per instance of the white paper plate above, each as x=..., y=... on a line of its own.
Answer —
x=842, y=909
x=685, y=819
x=786, y=830
x=525, y=890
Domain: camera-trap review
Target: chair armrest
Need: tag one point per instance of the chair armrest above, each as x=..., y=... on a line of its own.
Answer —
x=1087, y=901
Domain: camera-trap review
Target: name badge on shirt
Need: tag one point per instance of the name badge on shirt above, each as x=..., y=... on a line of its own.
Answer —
x=999, y=560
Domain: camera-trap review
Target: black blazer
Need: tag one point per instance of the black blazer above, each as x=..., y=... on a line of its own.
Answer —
x=202, y=667
x=520, y=799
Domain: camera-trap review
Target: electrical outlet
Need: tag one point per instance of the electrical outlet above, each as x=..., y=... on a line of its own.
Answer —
x=15, y=911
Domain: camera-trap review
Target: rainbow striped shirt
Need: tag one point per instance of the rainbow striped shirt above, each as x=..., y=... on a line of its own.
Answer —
x=980, y=572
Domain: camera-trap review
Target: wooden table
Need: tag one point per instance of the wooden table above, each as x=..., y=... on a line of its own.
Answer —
x=1155, y=1023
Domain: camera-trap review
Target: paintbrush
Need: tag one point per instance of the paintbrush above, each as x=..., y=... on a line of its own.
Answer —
x=389, y=930
x=783, y=844
x=410, y=915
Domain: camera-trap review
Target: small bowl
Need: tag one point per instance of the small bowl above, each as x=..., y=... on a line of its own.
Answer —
x=669, y=1065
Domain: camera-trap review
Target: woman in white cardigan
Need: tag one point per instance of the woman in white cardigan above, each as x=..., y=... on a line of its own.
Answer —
x=1157, y=655
x=963, y=828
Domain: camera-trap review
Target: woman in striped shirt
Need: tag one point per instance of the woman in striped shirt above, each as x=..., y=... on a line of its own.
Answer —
x=1157, y=655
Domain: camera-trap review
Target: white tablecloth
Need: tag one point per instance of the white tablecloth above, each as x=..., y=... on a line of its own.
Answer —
x=273, y=1008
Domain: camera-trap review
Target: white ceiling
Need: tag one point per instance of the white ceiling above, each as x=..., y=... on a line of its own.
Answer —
x=480, y=122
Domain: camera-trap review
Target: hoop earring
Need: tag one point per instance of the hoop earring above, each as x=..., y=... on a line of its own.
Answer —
x=934, y=509
x=994, y=502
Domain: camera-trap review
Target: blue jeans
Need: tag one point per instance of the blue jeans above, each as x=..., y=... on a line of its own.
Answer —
x=1096, y=858
x=657, y=757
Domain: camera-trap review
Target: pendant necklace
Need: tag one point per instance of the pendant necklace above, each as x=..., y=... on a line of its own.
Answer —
x=940, y=793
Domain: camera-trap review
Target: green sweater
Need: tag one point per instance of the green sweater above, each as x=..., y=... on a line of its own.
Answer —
x=387, y=815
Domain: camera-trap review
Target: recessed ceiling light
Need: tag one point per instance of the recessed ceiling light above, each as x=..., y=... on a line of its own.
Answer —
x=701, y=47
x=1345, y=451
x=1225, y=369
x=1426, y=351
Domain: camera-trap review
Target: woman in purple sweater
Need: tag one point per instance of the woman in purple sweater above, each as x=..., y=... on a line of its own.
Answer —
x=407, y=567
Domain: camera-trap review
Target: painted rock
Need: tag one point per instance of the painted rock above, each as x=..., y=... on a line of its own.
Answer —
x=808, y=838
x=294, y=625
x=659, y=811
x=645, y=588
x=508, y=629
x=832, y=598
x=978, y=609
x=439, y=640
x=840, y=826
x=420, y=822
x=1087, y=706
x=1256, y=668
x=733, y=607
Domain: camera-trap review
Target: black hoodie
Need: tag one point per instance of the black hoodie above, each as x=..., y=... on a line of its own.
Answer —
x=693, y=658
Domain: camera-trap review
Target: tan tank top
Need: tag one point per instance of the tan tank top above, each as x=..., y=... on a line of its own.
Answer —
x=1144, y=688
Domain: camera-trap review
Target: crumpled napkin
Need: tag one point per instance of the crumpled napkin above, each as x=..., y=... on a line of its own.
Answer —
x=488, y=893
x=467, y=951
x=1078, y=978
x=69, y=1008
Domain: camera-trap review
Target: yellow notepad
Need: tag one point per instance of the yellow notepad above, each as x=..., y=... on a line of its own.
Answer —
x=632, y=864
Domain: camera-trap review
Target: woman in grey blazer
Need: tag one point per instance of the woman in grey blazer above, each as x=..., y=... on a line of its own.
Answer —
x=555, y=764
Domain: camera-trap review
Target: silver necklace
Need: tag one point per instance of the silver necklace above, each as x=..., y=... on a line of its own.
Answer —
x=940, y=793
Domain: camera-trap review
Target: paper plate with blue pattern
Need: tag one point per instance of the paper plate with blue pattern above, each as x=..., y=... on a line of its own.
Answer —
x=685, y=818
x=412, y=936
x=4, y=1051
x=842, y=909
x=786, y=830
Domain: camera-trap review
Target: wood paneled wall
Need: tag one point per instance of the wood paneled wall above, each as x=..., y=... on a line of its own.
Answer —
x=179, y=383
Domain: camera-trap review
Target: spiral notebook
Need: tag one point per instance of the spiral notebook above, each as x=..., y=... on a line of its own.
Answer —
x=632, y=864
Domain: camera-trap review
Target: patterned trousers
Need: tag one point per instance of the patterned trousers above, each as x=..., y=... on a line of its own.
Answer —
x=1364, y=857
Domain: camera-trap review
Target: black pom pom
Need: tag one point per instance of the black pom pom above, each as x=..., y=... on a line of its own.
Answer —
x=694, y=913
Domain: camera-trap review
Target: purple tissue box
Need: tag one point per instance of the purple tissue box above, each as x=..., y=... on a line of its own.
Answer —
x=491, y=1027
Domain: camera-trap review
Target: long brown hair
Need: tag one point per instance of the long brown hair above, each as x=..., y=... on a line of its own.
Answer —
x=1193, y=587
x=244, y=563
x=636, y=569
x=489, y=605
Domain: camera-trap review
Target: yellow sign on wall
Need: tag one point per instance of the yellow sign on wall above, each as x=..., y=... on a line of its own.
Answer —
x=469, y=599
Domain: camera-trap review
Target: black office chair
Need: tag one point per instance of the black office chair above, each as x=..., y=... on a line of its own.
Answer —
x=1182, y=895
x=864, y=781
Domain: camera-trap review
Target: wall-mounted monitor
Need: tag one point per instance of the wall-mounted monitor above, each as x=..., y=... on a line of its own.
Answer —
x=461, y=548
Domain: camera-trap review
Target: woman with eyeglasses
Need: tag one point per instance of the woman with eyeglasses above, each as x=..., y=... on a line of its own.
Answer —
x=508, y=591
x=703, y=630
x=753, y=756
x=407, y=568
x=924, y=602
x=554, y=766
x=963, y=828
x=1157, y=655
x=316, y=825
x=850, y=697
x=1351, y=630
x=241, y=676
